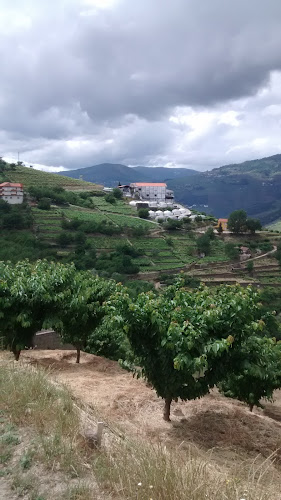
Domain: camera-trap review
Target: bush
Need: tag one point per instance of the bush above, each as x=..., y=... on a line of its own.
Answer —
x=44, y=204
x=143, y=213
x=250, y=267
x=4, y=207
x=172, y=225
x=169, y=242
x=127, y=249
x=64, y=239
x=210, y=233
x=117, y=193
x=231, y=251
x=204, y=244
x=138, y=231
x=14, y=220
x=110, y=198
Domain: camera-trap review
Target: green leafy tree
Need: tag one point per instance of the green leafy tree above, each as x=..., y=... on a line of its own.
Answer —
x=64, y=239
x=250, y=267
x=80, y=308
x=210, y=233
x=204, y=244
x=188, y=341
x=173, y=225
x=257, y=371
x=14, y=219
x=232, y=251
x=27, y=294
x=109, y=340
x=143, y=213
x=110, y=198
x=253, y=225
x=117, y=193
x=4, y=207
x=237, y=221
x=44, y=204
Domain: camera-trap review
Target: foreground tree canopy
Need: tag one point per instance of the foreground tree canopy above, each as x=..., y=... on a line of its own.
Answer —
x=188, y=341
x=184, y=342
x=48, y=294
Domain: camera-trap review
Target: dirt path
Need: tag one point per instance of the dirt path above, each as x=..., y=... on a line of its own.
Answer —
x=211, y=422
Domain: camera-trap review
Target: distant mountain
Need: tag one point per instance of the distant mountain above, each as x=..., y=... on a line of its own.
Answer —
x=164, y=173
x=110, y=174
x=254, y=186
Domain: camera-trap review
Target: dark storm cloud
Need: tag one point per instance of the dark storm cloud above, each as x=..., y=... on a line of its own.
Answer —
x=110, y=78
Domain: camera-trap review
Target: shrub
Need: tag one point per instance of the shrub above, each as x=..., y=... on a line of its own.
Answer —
x=143, y=213
x=64, y=239
x=172, y=225
x=231, y=251
x=110, y=198
x=117, y=193
x=44, y=204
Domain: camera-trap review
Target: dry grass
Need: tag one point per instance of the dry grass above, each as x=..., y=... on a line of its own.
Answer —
x=124, y=468
x=137, y=470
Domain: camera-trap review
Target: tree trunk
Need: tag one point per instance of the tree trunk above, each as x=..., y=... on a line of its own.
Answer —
x=78, y=354
x=251, y=406
x=16, y=353
x=167, y=409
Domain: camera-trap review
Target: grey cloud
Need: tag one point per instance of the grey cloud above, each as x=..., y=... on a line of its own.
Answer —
x=110, y=78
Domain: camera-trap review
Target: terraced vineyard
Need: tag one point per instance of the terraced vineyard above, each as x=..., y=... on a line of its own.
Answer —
x=119, y=207
x=47, y=224
x=157, y=250
x=31, y=177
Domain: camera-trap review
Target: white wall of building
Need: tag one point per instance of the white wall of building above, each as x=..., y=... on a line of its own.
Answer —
x=151, y=192
x=12, y=195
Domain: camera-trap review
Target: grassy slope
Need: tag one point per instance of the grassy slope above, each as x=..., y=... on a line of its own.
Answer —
x=48, y=224
x=162, y=251
x=43, y=453
x=31, y=177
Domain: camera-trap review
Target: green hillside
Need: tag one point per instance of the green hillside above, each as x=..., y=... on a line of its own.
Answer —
x=254, y=186
x=31, y=177
x=82, y=225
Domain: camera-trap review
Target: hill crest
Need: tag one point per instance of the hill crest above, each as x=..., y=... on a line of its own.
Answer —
x=110, y=174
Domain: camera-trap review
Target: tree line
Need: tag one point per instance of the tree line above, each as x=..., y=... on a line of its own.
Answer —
x=182, y=341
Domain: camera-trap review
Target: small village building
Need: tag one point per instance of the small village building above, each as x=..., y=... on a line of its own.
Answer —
x=11, y=192
x=149, y=191
x=223, y=223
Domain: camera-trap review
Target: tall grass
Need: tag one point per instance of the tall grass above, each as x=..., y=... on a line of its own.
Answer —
x=137, y=470
x=30, y=399
x=124, y=468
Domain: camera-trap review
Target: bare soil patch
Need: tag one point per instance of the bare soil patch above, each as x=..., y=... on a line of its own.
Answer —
x=213, y=422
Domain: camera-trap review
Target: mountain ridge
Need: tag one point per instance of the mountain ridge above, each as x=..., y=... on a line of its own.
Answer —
x=254, y=185
x=110, y=174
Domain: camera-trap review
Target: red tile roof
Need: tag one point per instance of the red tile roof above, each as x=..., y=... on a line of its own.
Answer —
x=222, y=220
x=11, y=184
x=147, y=184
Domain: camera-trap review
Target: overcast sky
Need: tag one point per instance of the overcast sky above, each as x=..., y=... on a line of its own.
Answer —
x=141, y=82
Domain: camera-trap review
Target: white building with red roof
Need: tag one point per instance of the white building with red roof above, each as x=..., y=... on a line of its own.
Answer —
x=151, y=191
x=11, y=192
